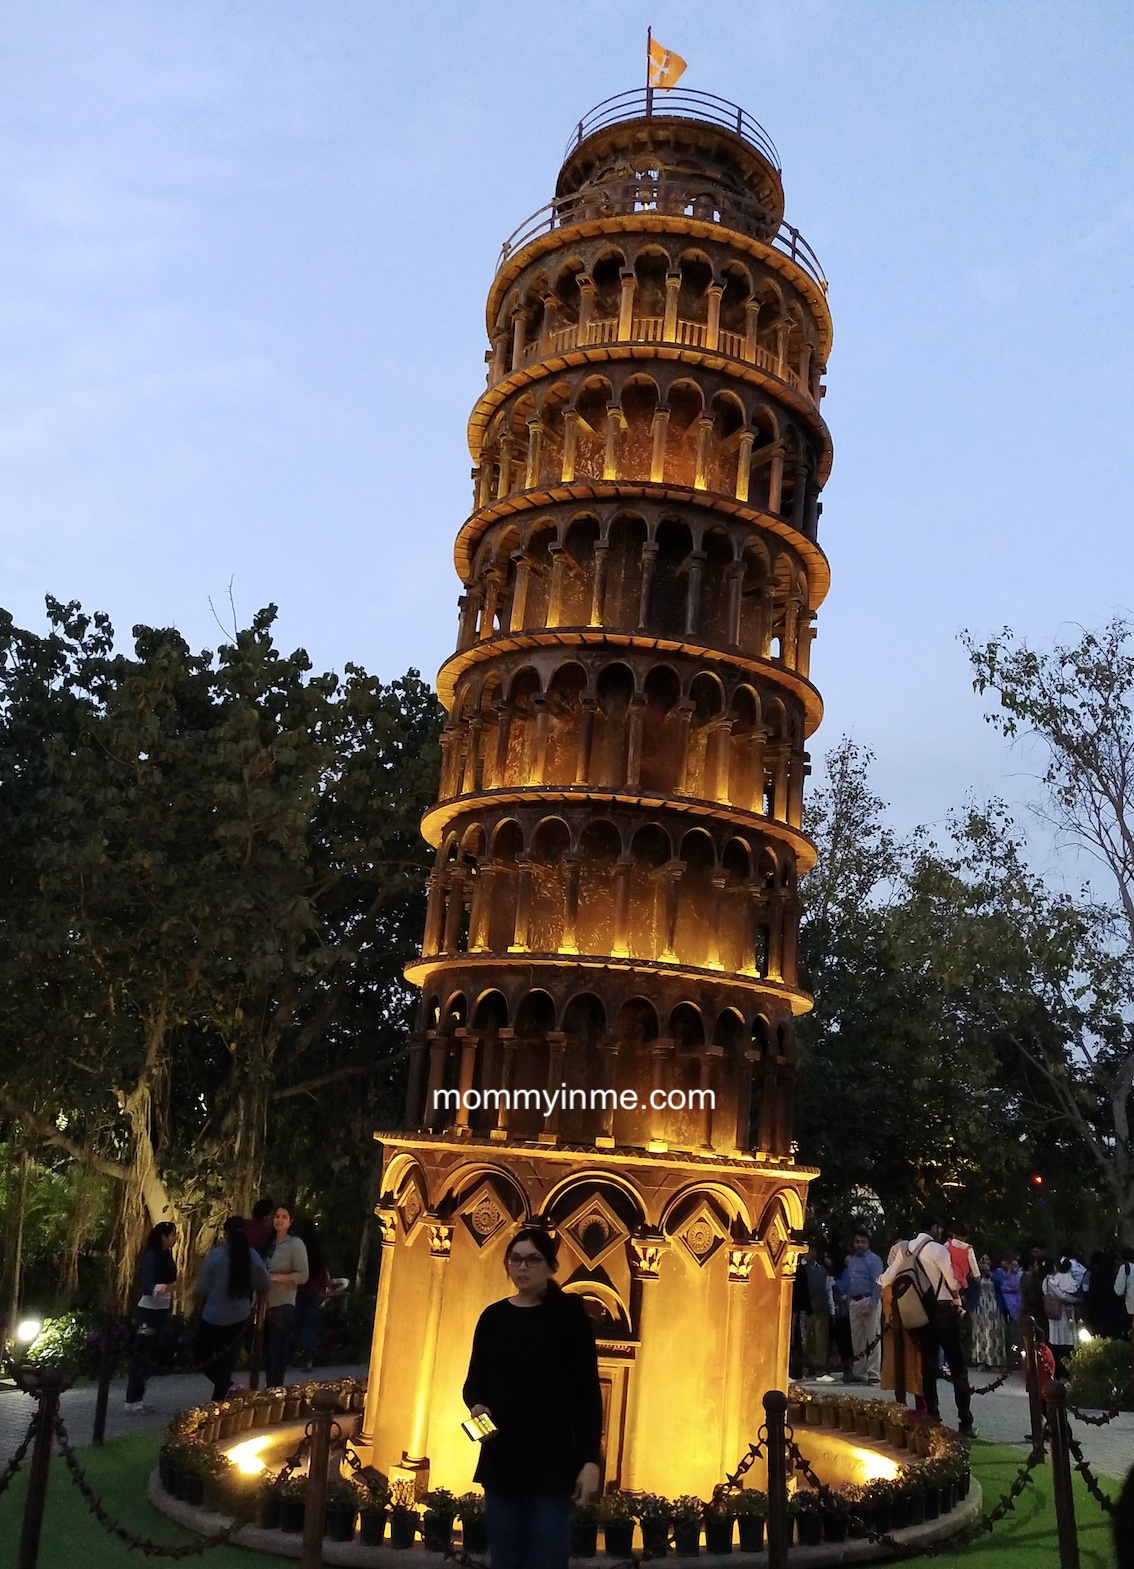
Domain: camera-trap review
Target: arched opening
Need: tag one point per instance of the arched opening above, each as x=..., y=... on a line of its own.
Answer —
x=639, y=400
x=671, y=577
x=662, y=740
x=694, y=904
x=624, y=573
x=650, y=852
x=577, y=573
x=550, y=843
x=701, y=767
x=615, y=688
x=599, y=849
x=564, y=707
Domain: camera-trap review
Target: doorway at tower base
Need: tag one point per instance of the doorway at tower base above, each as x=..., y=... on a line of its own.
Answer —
x=685, y=1265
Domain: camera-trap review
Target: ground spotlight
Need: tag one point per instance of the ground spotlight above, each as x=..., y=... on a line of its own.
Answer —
x=28, y=1330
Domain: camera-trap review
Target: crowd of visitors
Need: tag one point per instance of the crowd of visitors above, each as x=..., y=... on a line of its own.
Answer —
x=272, y=1255
x=844, y=1314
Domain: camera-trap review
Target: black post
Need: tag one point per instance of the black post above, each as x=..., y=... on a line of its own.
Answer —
x=1031, y=1381
x=779, y=1526
x=105, y=1373
x=323, y=1409
x=47, y=1394
x=256, y=1359
x=1061, y=1475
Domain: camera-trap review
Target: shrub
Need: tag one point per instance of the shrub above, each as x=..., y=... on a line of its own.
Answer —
x=750, y=1501
x=1102, y=1372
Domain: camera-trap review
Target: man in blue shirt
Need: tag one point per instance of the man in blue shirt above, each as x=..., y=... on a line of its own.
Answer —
x=859, y=1284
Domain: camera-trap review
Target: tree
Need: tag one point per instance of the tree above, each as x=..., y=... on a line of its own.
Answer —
x=1078, y=701
x=212, y=877
x=933, y=966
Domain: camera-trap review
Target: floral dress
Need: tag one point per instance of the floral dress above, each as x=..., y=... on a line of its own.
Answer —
x=988, y=1329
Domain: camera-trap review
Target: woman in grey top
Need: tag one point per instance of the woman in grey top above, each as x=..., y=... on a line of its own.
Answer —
x=230, y=1274
x=286, y=1258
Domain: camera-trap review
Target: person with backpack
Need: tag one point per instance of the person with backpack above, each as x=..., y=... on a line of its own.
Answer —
x=928, y=1300
x=1124, y=1287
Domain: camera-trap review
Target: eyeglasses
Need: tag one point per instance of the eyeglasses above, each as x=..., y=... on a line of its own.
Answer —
x=525, y=1260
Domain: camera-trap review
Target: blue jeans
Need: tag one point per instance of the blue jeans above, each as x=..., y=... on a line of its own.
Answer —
x=278, y=1341
x=151, y=1347
x=528, y=1533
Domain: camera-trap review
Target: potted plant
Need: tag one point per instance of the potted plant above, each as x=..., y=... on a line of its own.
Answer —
x=584, y=1531
x=687, y=1516
x=655, y=1516
x=293, y=1502
x=342, y=1507
x=846, y=1417
x=807, y=1511
x=861, y=1419
x=751, y=1507
x=268, y=1503
x=836, y=1514
x=474, y=1527
x=914, y=1494
x=373, y=1505
x=357, y=1395
x=403, y=1515
x=897, y=1433
x=876, y=1505
x=719, y=1515
x=877, y=1416
x=276, y=1403
x=814, y=1413
x=292, y=1402
x=227, y=1418
x=437, y=1521
x=617, y=1519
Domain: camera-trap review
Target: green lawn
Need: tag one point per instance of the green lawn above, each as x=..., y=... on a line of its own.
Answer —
x=1025, y=1540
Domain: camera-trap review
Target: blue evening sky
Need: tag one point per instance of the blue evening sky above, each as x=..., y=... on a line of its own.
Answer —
x=244, y=249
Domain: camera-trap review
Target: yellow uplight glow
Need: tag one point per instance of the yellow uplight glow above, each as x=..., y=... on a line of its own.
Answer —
x=873, y=1466
x=246, y=1456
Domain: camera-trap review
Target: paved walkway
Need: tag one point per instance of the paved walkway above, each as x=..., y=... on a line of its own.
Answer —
x=1003, y=1418
x=167, y=1396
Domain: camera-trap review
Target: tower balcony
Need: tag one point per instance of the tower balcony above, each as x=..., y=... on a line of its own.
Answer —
x=681, y=333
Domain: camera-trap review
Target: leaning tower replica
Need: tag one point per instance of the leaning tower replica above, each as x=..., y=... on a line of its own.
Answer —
x=609, y=979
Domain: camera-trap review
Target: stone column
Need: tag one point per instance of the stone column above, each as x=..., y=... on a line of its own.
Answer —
x=767, y=1137
x=659, y=434
x=748, y=1061
x=684, y=713
x=672, y=293
x=519, y=943
x=469, y=604
x=713, y=323
x=711, y=1060
x=662, y=1052
x=635, y=721
x=780, y=807
x=751, y=320
x=717, y=881
x=468, y=1041
x=440, y=1244
x=799, y=495
x=791, y=939
x=798, y=773
x=776, y=481
x=535, y=444
x=520, y=592
x=504, y=478
x=472, y=757
x=588, y=707
x=586, y=306
x=598, y=592
x=388, y=1237
x=672, y=872
x=455, y=910
x=503, y=734
x=492, y=587
x=648, y=1248
x=785, y=1106
x=480, y=920
x=543, y=720
x=649, y=564
x=704, y=435
x=438, y=1054
x=570, y=445
x=620, y=949
x=735, y=575
x=555, y=589
x=609, y=1047
x=556, y=1059
x=568, y=942
x=806, y=639
x=626, y=304
x=775, y=935
x=781, y=347
x=499, y=358
x=507, y=1039
x=740, y=1260
x=415, y=1088
x=519, y=328
x=697, y=559
x=744, y=464
x=610, y=448
x=434, y=907
x=805, y=367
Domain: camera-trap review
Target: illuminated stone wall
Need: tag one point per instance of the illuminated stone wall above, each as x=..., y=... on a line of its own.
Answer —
x=613, y=909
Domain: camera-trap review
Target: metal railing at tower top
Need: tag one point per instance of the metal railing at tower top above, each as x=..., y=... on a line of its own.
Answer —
x=675, y=103
x=617, y=198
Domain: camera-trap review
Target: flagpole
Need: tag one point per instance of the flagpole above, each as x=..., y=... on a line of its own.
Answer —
x=649, y=89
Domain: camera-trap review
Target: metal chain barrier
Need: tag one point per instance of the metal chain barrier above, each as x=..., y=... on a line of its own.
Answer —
x=20, y=1455
x=1113, y=1410
x=1104, y=1501
x=115, y=1527
x=990, y=1518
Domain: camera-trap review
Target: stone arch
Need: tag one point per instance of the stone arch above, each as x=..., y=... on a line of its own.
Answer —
x=639, y=402
x=670, y=589
x=614, y=690
x=715, y=612
x=549, y=844
x=563, y=713
x=623, y=595
x=573, y=592
x=729, y=425
x=650, y=852
x=553, y=410
x=695, y=943
x=600, y=846
x=686, y=405
x=662, y=732
x=706, y=697
x=592, y=405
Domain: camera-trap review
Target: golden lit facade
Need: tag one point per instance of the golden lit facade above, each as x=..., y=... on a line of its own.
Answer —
x=613, y=909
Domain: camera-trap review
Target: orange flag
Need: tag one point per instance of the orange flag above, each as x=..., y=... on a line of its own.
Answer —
x=665, y=66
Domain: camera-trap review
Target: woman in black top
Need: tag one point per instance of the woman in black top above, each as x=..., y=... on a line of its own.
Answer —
x=534, y=1371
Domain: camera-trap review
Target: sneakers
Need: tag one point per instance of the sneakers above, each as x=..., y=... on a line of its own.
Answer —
x=136, y=1407
x=825, y=1378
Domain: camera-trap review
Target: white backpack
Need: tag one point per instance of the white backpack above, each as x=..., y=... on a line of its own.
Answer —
x=914, y=1295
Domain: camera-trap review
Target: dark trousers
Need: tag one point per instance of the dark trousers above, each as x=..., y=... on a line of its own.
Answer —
x=841, y=1331
x=151, y=1346
x=943, y=1334
x=217, y=1346
x=528, y=1533
x=279, y=1337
